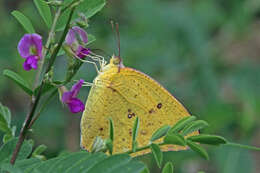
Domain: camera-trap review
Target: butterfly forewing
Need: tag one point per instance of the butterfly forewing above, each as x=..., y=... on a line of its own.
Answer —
x=123, y=95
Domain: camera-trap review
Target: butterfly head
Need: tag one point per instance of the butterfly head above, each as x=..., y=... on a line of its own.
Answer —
x=116, y=61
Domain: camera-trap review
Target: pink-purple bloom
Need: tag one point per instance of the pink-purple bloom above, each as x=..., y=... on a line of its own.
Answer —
x=70, y=98
x=30, y=48
x=76, y=38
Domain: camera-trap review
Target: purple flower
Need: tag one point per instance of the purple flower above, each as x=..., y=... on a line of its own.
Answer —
x=30, y=48
x=76, y=38
x=70, y=98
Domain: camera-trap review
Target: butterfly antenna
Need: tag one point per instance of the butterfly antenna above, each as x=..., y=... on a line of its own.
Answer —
x=118, y=39
x=116, y=31
x=120, y=64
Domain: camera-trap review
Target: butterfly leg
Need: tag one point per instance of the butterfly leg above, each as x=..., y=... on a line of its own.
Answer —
x=91, y=62
x=100, y=59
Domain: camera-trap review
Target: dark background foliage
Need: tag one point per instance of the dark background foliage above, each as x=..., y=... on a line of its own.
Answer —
x=205, y=52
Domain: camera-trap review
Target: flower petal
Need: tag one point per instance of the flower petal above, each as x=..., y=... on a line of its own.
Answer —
x=70, y=37
x=76, y=87
x=82, y=52
x=30, y=62
x=75, y=105
x=81, y=32
x=37, y=40
x=24, y=46
x=66, y=97
x=26, y=42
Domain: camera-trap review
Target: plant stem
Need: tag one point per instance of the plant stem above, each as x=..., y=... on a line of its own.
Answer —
x=243, y=146
x=141, y=148
x=47, y=45
x=34, y=104
x=69, y=5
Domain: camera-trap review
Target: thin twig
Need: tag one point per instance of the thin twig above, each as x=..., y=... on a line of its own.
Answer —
x=70, y=5
x=141, y=148
x=34, y=104
x=47, y=45
x=243, y=146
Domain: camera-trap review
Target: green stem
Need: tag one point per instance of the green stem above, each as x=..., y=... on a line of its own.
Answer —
x=47, y=45
x=56, y=50
x=34, y=104
x=141, y=148
x=70, y=5
x=243, y=146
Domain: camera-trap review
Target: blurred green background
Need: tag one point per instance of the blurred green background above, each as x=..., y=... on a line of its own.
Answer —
x=205, y=52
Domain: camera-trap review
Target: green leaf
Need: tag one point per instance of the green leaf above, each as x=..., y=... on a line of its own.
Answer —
x=84, y=162
x=135, y=133
x=7, y=149
x=146, y=170
x=181, y=124
x=7, y=167
x=157, y=154
x=24, y=21
x=109, y=145
x=10, y=134
x=7, y=137
x=44, y=11
x=198, y=149
x=4, y=127
x=194, y=126
x=111, y=129
x=118, y=163
x=18, y=80
x=160, y=132
x=5, y=114
x=41, y=148
x=26, y=165
x=208, y=139
x=175, y=139
x=5, y=120
x=168, y=168
x=88, y=7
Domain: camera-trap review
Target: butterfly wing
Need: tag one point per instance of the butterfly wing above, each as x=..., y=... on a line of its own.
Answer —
x=123, y=96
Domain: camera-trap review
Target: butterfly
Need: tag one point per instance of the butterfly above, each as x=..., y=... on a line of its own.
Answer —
x=123, y=94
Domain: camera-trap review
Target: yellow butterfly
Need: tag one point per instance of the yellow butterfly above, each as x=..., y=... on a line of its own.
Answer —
x=124, y=93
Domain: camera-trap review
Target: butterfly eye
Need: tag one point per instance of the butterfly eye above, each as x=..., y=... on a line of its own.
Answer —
x=115, y=60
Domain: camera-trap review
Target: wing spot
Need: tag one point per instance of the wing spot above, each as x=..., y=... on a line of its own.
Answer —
x=111, y=88
x=143, y=132
x=159, y=106
x=131, y=115
x=101, y=129
x=123, y=139
x=129, y=110
x=151, y=111
x=130, y=132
